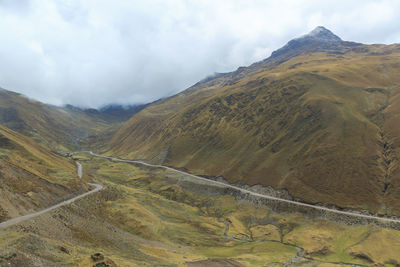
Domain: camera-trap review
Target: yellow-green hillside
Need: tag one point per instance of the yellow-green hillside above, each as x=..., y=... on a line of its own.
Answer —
x=61, y=129
x=153, y=217
x=322, y=125
x=32, y=177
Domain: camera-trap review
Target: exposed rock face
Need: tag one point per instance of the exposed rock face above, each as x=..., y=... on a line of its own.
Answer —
x=104, y=264
x=319, y=39
x=97, y=257
x=323, y=34
x=64, y=249
x=101, y=261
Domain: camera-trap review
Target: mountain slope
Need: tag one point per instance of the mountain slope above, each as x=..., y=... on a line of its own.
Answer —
x=316, y=119
x=31, y=176
x=60, y=128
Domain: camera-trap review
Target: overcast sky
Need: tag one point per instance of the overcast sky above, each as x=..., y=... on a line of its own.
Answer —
x=94, y=52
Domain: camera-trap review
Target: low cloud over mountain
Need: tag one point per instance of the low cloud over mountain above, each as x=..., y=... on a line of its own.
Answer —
x=91, y=53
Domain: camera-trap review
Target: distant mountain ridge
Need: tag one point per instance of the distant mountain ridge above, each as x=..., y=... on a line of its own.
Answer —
x=59, y=128
x=111, y=112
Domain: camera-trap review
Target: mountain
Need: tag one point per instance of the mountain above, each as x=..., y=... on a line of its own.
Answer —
x=32, y=177
x=119, y=112
x=321, y=125
x=317, y=118
x=319, y=39
x=59, y=128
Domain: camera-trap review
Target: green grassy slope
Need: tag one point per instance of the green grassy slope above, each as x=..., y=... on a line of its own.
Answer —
x=31, y=176
x=319, y=125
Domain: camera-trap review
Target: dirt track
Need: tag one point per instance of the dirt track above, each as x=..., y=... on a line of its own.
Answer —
x=245, y=191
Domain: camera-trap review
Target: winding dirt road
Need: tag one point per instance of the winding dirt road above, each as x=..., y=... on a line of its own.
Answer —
x=245, y=191
x=97, y=188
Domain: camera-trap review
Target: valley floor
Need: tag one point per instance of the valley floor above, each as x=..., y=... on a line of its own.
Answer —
x=344, y=216
x=148, y=216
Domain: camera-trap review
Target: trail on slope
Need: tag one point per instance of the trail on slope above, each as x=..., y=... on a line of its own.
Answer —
x=97, y=188
x=245, y=191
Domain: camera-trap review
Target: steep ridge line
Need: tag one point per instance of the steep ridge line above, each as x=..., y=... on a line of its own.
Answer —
x=245, y=191
x=97, y=187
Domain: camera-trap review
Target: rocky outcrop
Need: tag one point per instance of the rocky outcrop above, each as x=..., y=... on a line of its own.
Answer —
x=101, y=261
x=97, y=257
x=319, y=39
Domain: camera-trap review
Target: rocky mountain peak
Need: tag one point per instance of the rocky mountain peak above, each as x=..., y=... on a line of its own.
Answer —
x=322, y=33
x=319, y=39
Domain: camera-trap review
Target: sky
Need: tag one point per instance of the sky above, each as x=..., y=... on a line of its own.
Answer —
x=90, y=53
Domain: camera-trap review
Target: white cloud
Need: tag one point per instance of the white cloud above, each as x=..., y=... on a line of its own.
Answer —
x=94, y=52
